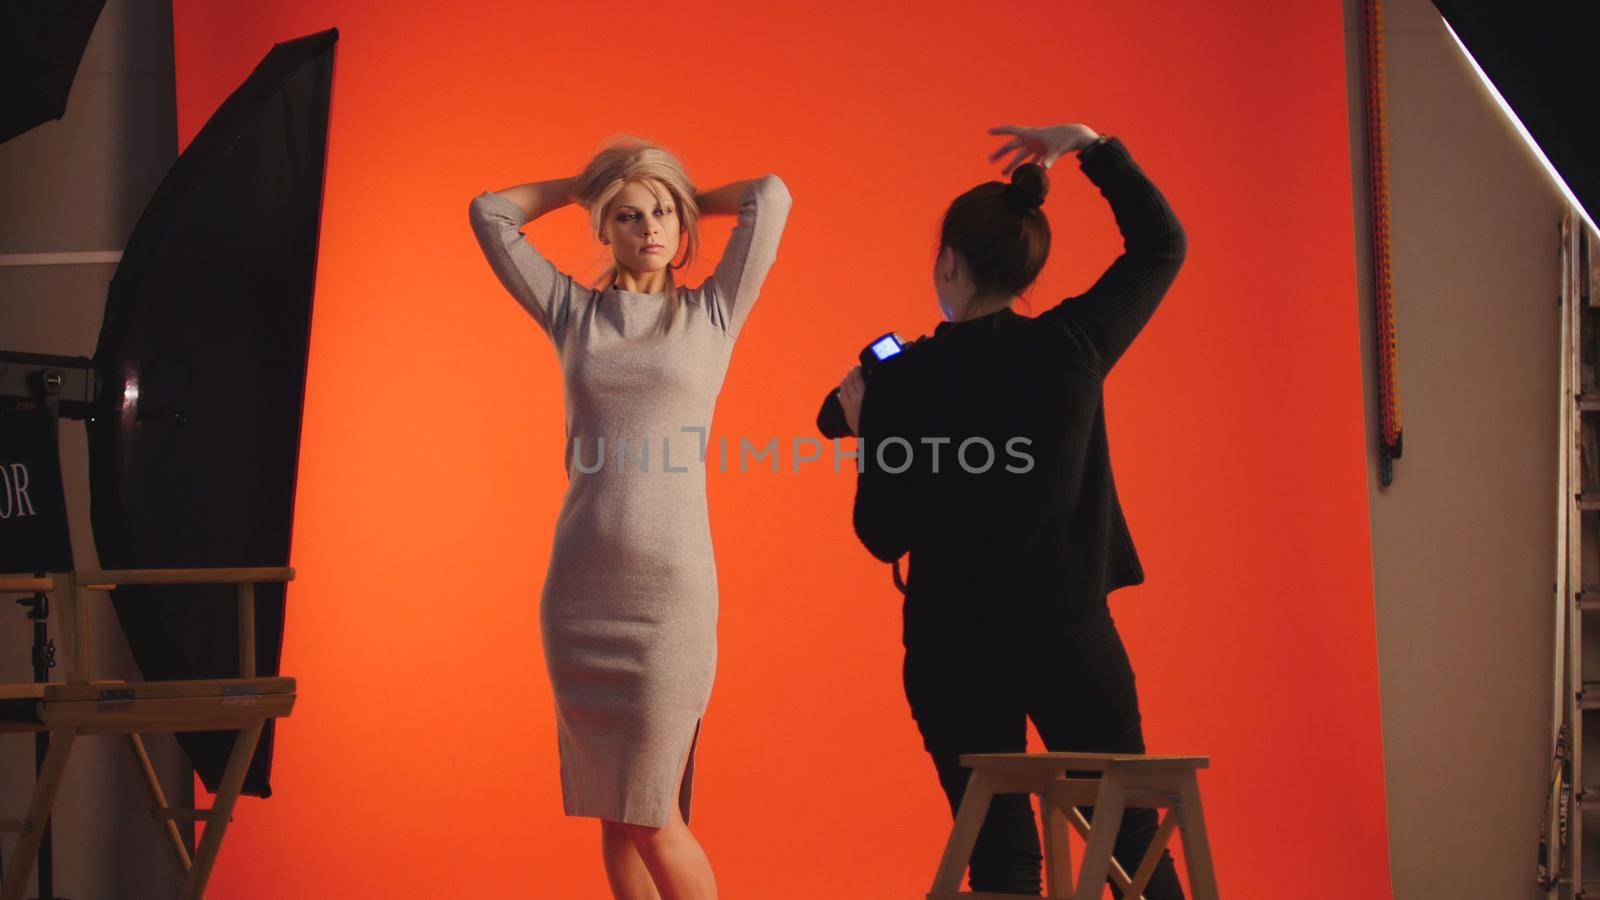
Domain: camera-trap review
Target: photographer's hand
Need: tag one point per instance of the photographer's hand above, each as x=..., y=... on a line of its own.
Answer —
x=851, y=390
x=1041, y=145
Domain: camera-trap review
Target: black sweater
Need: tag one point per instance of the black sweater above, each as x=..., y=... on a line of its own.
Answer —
x=996, y=551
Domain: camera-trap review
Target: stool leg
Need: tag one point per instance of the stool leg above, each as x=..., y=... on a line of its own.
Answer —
x=157, y=799
x=1196, y=844
x=1152, y=855
x=1057, y=849
x=963, y=834
x=1109, y=804
x=244, y=747
x=26, y=850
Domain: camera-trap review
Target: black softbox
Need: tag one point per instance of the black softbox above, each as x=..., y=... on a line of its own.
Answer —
x=195, y=438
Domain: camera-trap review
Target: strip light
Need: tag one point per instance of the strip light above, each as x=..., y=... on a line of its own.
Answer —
x=1522, y=130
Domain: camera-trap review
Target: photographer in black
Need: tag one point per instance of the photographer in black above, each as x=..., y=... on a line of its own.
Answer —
x=1011, y=562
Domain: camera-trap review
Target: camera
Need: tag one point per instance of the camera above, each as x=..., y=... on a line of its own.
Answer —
x=830, y=419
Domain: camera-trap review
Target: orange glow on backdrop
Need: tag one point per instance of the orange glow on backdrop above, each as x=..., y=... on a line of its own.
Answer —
x=421, y=758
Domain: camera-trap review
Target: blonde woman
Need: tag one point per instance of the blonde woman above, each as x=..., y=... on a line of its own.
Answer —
x=629, y=607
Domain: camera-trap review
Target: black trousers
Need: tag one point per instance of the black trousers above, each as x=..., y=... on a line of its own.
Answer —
x=1077, y=686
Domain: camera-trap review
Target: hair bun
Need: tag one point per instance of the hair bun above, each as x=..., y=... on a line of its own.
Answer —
x=1028, y=187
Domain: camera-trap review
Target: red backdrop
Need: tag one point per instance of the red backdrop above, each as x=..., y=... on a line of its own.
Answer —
x=420, y=760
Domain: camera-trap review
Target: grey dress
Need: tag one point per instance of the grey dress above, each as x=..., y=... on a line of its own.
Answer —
x=628, y=612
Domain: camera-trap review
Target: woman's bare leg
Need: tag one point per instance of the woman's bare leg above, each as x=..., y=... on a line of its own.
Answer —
x=675, y=860
x=673, y=857
x=625, y=871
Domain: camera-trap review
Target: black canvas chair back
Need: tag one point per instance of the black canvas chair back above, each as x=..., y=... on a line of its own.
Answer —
x=33, y=509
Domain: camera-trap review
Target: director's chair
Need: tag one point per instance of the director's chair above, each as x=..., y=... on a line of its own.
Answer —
x=81, y=706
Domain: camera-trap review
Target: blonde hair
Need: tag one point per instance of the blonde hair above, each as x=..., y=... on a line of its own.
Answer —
x=625, y=158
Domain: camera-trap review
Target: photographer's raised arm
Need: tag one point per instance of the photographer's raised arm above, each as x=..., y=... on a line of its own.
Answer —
x=497, y=218
x=1112, y=312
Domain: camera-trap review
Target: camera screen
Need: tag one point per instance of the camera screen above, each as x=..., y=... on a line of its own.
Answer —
x=886, y=347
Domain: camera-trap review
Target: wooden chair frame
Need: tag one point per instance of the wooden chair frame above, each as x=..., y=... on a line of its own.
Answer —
x=1125, y=780
x=80, y=706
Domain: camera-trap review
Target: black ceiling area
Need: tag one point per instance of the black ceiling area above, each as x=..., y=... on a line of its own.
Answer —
x=1541, y=56
x=41, y=45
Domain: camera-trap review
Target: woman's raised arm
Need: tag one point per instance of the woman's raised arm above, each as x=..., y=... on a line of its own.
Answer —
x=497, y=218
x=539, y=197
x=763, y=207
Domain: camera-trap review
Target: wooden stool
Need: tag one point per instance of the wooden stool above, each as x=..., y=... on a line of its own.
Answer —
x=1124, y=780
x=81, y=706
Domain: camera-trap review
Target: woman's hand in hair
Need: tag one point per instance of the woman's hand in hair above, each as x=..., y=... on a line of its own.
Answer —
x=851, y=390
x=1041, y=145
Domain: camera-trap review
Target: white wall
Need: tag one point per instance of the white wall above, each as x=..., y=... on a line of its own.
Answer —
x=1463, y=543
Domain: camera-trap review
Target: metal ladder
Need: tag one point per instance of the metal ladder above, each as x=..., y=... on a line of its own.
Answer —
x=1575, y=700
